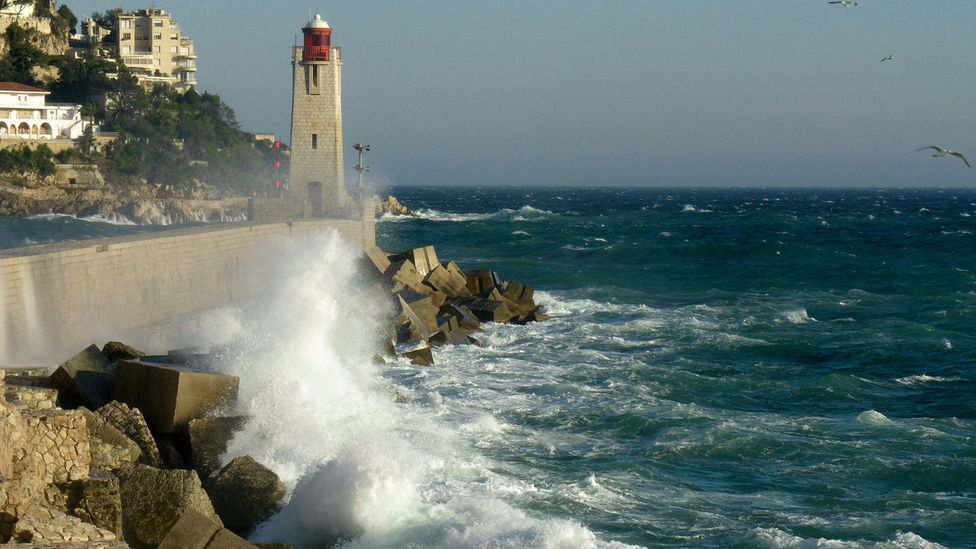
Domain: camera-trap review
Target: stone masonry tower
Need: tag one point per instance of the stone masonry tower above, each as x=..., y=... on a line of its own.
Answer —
x=316, y=121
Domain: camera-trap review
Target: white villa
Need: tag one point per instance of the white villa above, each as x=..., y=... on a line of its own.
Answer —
x=25, y=114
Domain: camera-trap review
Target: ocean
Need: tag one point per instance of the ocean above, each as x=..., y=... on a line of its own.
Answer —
x=723, y=368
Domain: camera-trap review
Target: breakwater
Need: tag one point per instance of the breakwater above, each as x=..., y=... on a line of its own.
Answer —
x=56, y=297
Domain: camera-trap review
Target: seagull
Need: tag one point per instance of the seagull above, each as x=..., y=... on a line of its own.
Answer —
x=940, y=152
x=845, y=3
x=891, y=57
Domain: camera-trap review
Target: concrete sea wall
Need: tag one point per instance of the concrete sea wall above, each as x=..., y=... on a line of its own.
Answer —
x=62, y=296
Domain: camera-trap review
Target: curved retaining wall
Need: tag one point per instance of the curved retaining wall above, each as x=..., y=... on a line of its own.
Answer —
x=55, y=298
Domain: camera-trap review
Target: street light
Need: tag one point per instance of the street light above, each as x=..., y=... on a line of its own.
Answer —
x=360, y=168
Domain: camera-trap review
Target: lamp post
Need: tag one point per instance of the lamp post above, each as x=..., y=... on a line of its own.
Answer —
x=360, y=168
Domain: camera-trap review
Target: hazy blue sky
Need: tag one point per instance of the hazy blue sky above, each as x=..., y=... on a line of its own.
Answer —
x=627, y=92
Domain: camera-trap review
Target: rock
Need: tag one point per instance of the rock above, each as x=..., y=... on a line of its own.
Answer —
x=41, y=525
x=153, y=500
x=115, y=351
x=97, y=501
x=244, y=493
x=207, y=439
x=424, y=259
x=170, y=397
x=392, y=206
x=84, y=380
x=225, y=539
x=132, y=424
x=29, y=397
x=110, y=448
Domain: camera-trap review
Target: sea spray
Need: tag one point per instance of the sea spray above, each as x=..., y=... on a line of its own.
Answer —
x=360, y=468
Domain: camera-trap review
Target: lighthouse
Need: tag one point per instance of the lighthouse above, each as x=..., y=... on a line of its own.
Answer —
x=316, y=173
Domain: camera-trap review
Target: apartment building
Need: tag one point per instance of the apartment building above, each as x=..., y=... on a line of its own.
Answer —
x=151, y=45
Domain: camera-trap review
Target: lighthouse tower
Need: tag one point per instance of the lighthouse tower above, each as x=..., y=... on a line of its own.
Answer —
x=316, y=121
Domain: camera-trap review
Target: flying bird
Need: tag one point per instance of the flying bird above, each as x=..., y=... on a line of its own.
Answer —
x=845, y=3
x=890, y=57
x=940, y=152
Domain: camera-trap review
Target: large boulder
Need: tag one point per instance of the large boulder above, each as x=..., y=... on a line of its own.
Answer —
x=171, y=396
x=244, y=493
x=195, y=531
x=132, y=424
x=153, y=500
x=206, y=440
x=84, y=380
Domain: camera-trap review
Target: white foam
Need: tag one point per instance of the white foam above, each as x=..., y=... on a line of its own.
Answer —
x=112, y=218
x=525, y=213
x=774, y=538
x=359, y=467
x=798, y=316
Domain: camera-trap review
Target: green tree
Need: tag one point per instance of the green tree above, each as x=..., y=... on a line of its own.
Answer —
x=22, y=56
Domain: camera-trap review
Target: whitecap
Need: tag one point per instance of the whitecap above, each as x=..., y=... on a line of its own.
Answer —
x=921, y=379
x=690, y=208
x=798, y=316
x=523, y=233
x=874, y=417
x=774, y=538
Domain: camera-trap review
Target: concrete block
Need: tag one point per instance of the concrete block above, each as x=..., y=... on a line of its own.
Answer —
x=378, y=258
x=192, y=531
x=169, y=397
x=484, y=309
x=417, y=351
x=97, y=501
x=424, y=259
x=452, y=284
x=404, y=275
x=206, y=440
x=481, y=280
x=419, y=310
x=153, y=501
x=516, y=291
x=115, y=350
x=84, y=380
x=465, y=318
x=225, y=539
x=451, y=338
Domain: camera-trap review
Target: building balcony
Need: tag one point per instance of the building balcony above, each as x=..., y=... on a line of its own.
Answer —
x=317, y=53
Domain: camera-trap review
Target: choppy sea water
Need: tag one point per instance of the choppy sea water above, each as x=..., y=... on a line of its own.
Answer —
x=750, y=368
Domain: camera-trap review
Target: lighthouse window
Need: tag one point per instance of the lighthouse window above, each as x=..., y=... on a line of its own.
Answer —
x=315, y=140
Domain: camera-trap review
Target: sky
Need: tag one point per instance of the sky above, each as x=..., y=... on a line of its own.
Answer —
x=755, y=93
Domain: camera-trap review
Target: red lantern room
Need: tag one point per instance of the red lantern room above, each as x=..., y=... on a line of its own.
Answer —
x=318, y=40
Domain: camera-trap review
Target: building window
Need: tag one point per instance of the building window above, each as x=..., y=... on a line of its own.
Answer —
x=315, y=140
x=126, y=36
x=158, y=23
x=157, y=36
x=126, y=23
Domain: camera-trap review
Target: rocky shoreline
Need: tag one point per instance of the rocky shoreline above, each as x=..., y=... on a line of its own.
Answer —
x=117, y=449
x=141, y=205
